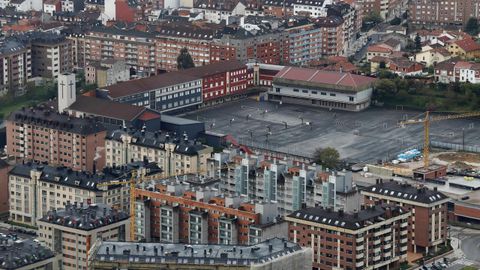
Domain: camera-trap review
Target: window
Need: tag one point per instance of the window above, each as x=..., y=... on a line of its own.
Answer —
x=350, y=98
x=314, y=92
x=332, y=94
x=277, y=89
x=304, y=91
x=296, y=90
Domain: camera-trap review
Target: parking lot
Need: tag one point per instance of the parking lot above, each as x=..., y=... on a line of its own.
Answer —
x=359, y=136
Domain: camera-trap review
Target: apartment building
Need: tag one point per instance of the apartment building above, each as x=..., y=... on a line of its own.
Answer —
x=136, y=48
x=4, y=197
x=387, y=9
x=43, y=135
x=52, y=55
x=314, y=9
x=427, y=226
x=72, y=231
x=292, y=186
x=442, y=13
x=176, y=155
x=193, y=210
x=372, y=238
x=35, y=189
x=305, y=42
x=106, y=73
x=265, y=45
x=275, y=253
x=333, y=37
x=326, y=89
x=27, y=254
x=15, y=67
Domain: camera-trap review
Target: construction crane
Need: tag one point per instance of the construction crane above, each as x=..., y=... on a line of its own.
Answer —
x=426, y=127
x=135, y=179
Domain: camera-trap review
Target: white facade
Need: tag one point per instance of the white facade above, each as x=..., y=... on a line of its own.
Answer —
x=68, y=6
x=469, y=75
x=66, y=91
x=171, y=4
x=216, y=16
x=314, y=10
x=49, y=8
x=28, y=5
x=110, y=10
x=327, y=98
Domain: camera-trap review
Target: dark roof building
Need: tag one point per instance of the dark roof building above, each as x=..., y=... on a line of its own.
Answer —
x=25, y=254
x=427, y=227
x=279, y=252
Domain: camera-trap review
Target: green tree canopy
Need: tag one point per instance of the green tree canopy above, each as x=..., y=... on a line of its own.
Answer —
x=327, y=157
x=472, y=27
x=184, y=60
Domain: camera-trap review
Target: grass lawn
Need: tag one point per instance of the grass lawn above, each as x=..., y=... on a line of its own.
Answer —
x=34, y=96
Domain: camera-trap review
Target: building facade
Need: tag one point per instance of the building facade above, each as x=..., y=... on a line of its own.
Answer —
x=43, y=135
x=36, y=189
x=319, y=88
x=440, y=13
x=72, y=231
x=176, y=156
x=427, y=226
x=274, y=253
x=184, y=210
x=372, y=238
x=16, y=67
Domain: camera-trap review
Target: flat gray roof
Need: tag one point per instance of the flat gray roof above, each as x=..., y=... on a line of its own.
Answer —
x=197, y=254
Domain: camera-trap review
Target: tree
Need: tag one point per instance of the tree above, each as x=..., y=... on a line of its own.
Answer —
x=418, y=42
x=184, y=60
x=472, y=26
x=327, y=157
x=396, y=21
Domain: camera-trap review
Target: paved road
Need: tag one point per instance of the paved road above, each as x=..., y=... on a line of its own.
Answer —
x=470, y=246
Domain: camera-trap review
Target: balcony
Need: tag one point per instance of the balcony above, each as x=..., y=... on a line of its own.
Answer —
x=377, y=242
x=361, y=247
x=359, y=264
x=360, y=256
x=385, y=231
x=377, y=250
x=377, y=258
x=404, y=232
x=403, y=248
x=403, y=240
x=387, y=238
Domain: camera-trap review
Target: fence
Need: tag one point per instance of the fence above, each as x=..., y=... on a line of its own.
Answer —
x=455, y=146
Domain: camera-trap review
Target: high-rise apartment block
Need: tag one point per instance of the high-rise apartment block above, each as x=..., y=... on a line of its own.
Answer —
x=443, y=13
x=427, y=226
x=15, y=67
x=291, y=186
x=192, y=210
x=43, y=135
x=274, y=253
x=73, y=231
x=176, y=155
x=372, y=238
x=36, y=189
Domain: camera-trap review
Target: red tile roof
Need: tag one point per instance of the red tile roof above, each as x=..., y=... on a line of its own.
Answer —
x=325, y=77
x=378, y=48
x=468, y=44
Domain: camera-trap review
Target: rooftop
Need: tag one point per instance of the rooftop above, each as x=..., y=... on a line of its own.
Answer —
x=104, y=107
x=468, y=44
x=330, y=78
x=143, y=85
x=81, y=180
x=47, y=117
x=406, y=192
x=85, y=217
x=153, y=253
x=353, y=221
x=158, y=140
x=10, y=46
x=18, y=253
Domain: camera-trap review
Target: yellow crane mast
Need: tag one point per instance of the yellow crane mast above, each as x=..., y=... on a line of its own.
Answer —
x=426, y=127
x=135, y=179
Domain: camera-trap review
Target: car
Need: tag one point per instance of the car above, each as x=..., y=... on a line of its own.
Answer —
x=443, y=265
